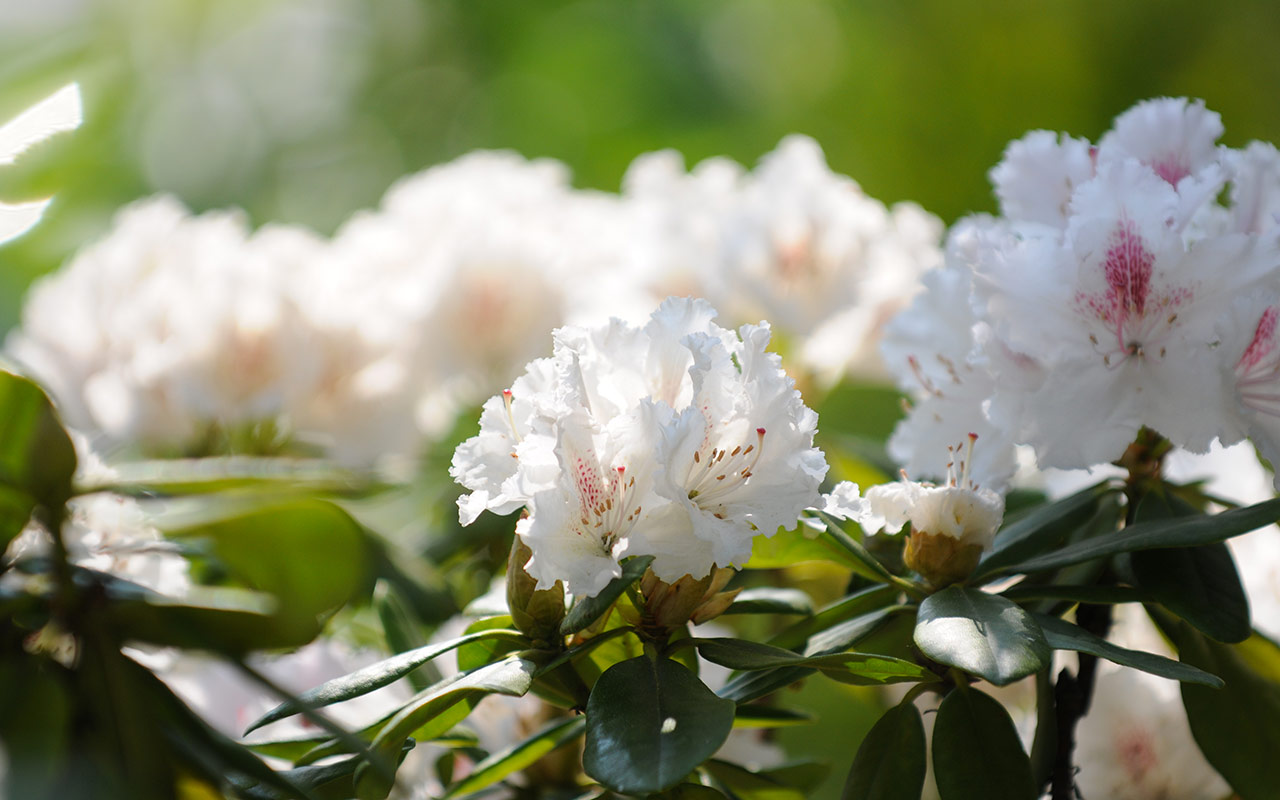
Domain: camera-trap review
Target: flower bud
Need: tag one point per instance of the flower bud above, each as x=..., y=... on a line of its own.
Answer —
x=668, y=606
x=535, y=612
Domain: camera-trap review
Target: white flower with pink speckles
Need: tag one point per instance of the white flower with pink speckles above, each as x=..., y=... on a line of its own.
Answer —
x=679, y=440
x=1105, y=299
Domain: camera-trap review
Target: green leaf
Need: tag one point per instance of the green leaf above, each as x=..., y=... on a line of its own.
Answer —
x=325, y=782
x=1062, y=635
x=35, y=717
x=499, y=765
x=478, y=652
x=745, y=784
x=587, y=610
x=37, y=459
x=1040, y=529
x=1182, y=532
x=425, y=715
x=976, y=751
x=771, y=600
x=187, y=476
x=758, y=716
x=840, y=611
x=891, y=761
x=374, y=676
x=982, y=634
x=754, y=685
x=865, y=410
x=1238, y=726
x=1092, y=595
x=859, y=668
x=1044, y=745
x=1199, y=584
x=650, y=723
x=787, y=548
x=262, y=548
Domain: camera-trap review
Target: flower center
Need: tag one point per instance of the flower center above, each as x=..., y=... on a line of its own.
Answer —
x=715, y=472
x=605, y=511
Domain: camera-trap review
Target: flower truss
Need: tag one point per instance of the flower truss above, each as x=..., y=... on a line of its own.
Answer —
x=1114, y=292
x=678, y=440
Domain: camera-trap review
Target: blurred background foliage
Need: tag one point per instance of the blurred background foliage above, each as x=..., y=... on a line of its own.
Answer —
x=305, y=110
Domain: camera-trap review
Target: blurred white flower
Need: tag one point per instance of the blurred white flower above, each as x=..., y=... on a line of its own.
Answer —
x=791, y=242
x=677, y=440
x=466, y=267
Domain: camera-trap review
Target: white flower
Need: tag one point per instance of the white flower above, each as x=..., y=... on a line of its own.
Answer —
x=1135, y=742
x=678, y=440
x=172, y=324
x=1120, y=311
x=791, y=241
x=466, y=267
x=1035, y=179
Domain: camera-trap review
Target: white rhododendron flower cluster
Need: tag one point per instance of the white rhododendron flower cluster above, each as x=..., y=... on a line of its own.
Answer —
x=1113, y=292
x=679, y=440
x=791, y=242
x=184, y=334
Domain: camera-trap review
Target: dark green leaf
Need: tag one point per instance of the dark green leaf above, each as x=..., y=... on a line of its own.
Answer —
x=1076, y=594
x=754, y=685
x=1062, y=635
x=771, y=600
x=650, y=723
x=890, y=764
x=325, y=782
x=982, y=634
x=375, y=676
x=499, y=765
x=35, y=716
x=1182, y=532
x=425, y=716
x=746, y=784
x=1040, y=529
x=840, y=611
x=587, y=610
x=976, y=751
x=1044, y=745
x=1237, y=727
x=1199, y=584
x=758, y=716
x=861, y=668
x=37, y=459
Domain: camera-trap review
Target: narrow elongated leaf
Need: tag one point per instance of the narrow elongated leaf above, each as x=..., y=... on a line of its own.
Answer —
x=374, y=676
x=218, y=474
x=1062, y=635
x=890, y=763
x=1077, y=594
x=976, y=751
x=587, y=610
x=499, y=765
x=325, y=782
x=1237, y=727
x=754, y=685
x=842, y=610
x=1044, y=745
x=1181, y=532
x=863, y=668
x=771, y=600
x=1040, y=529
x=426, y=711
x=982, y=634
x=650, y=723
x=758, y=716
x=36, y=454
x=746, y=784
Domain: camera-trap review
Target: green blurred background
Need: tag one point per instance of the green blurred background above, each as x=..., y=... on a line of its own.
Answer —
x=304, y=110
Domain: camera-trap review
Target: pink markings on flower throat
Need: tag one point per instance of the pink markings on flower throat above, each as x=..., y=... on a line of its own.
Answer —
x=1132, y=308
x=1172, y=168
x=1258, y=370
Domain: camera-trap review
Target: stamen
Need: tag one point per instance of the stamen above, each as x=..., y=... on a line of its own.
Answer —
x=511, y=418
